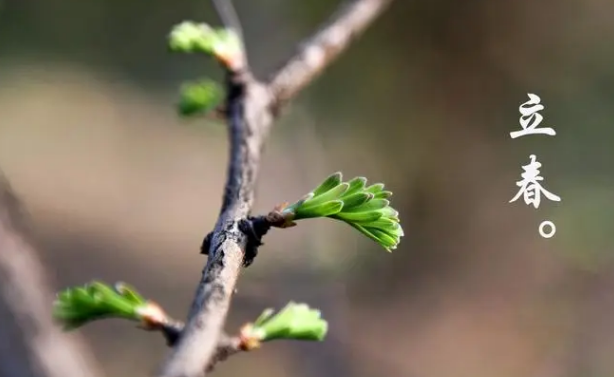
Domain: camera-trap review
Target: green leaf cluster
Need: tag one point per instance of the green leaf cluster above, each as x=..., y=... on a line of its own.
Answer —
x=199, y=97
x=190, y=37
x=365, y=208
x=76, y=306
x=204, y=95
x=294, y=321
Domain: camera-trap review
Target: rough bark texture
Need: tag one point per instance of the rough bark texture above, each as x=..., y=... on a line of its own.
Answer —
x=249, y=120
x=252, y=107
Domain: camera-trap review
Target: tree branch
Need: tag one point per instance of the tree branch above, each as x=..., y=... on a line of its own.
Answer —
x=251, y=108
x=318, y=51
x=31, y=345
x=249, y=121
x=226, y=346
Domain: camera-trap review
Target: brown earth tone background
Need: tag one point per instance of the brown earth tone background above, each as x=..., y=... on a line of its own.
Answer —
x=119, y=188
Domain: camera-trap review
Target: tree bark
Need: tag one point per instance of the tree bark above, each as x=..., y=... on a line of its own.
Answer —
x=252, y=107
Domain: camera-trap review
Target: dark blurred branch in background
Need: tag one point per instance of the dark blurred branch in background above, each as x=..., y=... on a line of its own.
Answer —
x=31, y=345
x=252, y=107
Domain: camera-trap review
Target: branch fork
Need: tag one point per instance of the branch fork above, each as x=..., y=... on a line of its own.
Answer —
x=250, y=108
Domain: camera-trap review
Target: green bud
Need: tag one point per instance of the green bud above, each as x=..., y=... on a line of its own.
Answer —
x=199, y=97
x=294, y=321
x=366, y=209
x=190, y=37
x=76, y=306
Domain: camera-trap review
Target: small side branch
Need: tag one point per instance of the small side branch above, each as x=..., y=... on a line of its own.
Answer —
x=230, y=19
x=318, y=51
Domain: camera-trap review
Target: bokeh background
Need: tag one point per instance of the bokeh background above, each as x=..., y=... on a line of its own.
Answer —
x=119, y=188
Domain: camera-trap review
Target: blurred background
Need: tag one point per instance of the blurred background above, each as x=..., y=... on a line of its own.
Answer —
x=119, y=188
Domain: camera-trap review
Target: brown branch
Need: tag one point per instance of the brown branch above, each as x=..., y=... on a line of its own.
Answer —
x=249, y=121
x=226, y=346
x=31, y=345
x=251, y=109
x=318, y=51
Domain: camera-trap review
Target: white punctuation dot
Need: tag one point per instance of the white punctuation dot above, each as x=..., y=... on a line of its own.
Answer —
x=543, y=226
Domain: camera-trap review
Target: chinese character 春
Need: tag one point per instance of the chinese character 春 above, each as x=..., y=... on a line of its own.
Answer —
x=530, y=188
x=531, y=118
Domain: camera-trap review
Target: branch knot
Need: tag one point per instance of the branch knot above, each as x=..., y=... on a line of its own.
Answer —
x=254, y=228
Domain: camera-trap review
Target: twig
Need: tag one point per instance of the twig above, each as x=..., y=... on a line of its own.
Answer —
x=251, y=109
x=30, y=343
x=249, y=121
x=317, y=52
x=228, y=14
x=226, y=346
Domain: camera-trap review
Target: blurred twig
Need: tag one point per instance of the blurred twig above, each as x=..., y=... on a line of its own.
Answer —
x=31, y=345
x=251, y=108
x=230, y=19
x=318, y=51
